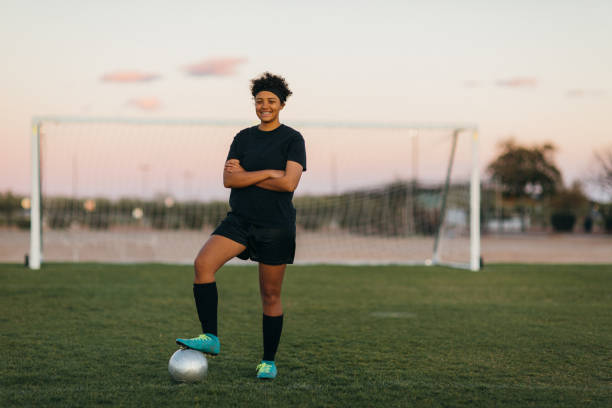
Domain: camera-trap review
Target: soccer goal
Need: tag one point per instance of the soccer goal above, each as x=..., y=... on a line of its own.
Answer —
x=143, y=190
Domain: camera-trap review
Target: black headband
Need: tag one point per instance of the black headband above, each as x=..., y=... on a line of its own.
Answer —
x=276, y=92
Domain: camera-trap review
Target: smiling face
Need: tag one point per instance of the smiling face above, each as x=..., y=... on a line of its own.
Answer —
x=267, y=107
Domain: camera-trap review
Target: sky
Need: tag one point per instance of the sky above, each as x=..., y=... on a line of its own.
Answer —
x=538, y=71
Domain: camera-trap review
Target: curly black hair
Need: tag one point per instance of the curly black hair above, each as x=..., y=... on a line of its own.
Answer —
x=273, y=83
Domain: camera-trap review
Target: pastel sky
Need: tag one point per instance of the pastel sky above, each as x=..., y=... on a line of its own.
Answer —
x=536, y=70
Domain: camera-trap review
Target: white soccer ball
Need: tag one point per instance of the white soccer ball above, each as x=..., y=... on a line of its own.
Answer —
x=188, y=366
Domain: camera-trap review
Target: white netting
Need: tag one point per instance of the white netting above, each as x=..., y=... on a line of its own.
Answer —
x=128, y=191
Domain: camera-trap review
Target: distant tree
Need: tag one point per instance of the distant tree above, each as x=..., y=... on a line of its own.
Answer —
x=9, y=206
x=526, y=171
x=604, y=171
x=567, y=206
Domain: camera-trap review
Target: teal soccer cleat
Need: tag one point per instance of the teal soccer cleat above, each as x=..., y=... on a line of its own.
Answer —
x=266, y=370
x=206, y=343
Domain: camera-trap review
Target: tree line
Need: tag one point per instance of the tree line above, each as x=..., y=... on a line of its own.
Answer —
x=530, y=182
x=523, y=181
x=389, y=210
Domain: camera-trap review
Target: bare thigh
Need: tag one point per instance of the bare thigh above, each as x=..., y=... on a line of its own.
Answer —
x=270, y=285
x=213, y=255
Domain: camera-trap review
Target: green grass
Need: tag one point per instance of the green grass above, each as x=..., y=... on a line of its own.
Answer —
x=512, y=335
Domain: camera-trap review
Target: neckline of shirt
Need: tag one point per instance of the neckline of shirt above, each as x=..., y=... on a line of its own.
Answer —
x=267, y=132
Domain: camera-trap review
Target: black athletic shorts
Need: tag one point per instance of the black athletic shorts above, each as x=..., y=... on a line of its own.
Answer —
x=269, y=245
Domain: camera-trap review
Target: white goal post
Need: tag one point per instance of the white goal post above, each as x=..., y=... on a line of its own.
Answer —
x=148, y=190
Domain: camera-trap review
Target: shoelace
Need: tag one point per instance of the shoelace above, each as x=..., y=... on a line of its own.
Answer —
x=266, y=368
x=204, y=337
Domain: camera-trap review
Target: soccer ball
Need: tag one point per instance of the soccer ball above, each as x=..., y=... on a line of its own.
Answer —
x=187, y=366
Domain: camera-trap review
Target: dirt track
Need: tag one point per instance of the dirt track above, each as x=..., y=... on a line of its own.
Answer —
x=181, y=247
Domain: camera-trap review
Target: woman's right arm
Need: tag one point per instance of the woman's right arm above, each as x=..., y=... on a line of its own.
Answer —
x=234, y=176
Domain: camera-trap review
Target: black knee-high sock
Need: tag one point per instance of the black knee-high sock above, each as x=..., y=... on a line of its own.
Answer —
x=206, y=300
x=272, y=328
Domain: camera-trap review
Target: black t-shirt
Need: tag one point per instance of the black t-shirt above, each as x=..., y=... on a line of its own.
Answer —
x=259, y=150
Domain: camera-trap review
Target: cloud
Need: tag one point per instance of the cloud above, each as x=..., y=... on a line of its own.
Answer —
x=518, y=82
x=148, y=104
x=585, y=93
x=215, y=67
x=129, y=76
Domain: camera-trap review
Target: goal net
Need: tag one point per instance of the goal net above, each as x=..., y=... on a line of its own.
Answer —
x=137, y=190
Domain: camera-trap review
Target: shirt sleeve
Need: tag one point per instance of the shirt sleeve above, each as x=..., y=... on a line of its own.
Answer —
x=233, y=150
x=297, y=151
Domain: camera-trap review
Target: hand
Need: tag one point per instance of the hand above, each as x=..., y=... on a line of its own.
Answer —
x=233, y=166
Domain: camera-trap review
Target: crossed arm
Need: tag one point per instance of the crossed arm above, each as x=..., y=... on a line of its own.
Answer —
x=235, y=176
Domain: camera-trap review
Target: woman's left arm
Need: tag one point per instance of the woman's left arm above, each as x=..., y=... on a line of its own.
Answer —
x=287, y=183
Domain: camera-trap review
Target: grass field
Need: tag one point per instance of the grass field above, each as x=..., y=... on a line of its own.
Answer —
x=511, y=335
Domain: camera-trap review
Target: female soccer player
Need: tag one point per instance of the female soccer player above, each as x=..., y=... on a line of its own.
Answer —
x=263, y=168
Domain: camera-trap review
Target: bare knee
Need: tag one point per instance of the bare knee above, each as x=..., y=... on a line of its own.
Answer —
x=204, y=269
x=270, y=298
